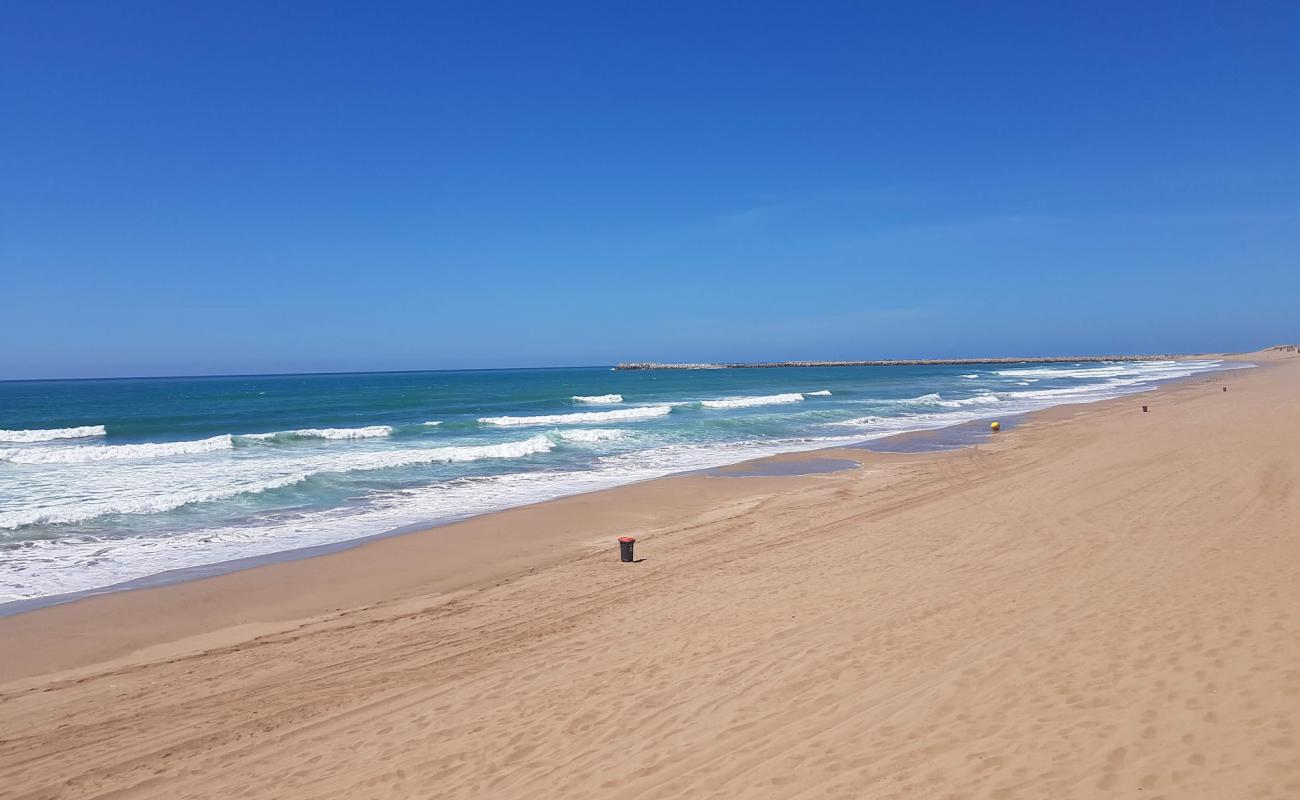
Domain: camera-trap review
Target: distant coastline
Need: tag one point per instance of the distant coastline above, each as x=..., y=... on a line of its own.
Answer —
x=903, y=362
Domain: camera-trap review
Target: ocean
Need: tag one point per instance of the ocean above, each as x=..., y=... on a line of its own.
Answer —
x=106, y=481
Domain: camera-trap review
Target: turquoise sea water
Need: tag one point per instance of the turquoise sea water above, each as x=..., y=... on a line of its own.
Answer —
x=109, y=480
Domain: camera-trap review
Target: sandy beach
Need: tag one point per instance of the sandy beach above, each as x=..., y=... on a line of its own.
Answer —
x=1099, y=602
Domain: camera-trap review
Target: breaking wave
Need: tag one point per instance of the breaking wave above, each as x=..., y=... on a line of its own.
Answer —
x=746, y=402
x=598, y=399
x=977, y=400
x=109, y=452
x=81, y=512
x=590, y=435
x=583, y=417
x=936, y=400
x=932, y=399
x=1096, y=372
x=369, y=432
x=50, y=434
x=352, y=462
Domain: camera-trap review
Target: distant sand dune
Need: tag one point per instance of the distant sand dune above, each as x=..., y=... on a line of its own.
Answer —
x=1098, y=603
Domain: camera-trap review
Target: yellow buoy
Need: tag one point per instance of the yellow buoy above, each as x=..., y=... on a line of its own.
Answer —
x=996, y=426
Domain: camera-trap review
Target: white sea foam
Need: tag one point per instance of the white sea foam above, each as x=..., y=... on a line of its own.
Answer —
x=875, y=427
x=80, y=512
x=937, y=400
x=50, y=434
x=161, y=487
x=747, y=402
x=387, y=459
x=977, y=400
x=822, y=393
x=107, y=452
x=863, y=421
x=1104, y=371
x=369, y=432
x=972, y=375
x=1138, y=376
x=931, y=399
x=583, y=417
x=55, y=566
x=598, y=399
x=433, y=422
x=1091, y=391
x=590, y=434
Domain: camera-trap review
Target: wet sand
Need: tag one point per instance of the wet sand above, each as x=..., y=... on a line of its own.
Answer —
x=1099, y=602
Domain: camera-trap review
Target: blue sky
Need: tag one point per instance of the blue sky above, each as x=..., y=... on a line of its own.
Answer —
x=264, y=187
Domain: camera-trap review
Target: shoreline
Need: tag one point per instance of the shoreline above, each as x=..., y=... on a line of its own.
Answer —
x=954, y=436
x=474, y=568
x=1098, y=601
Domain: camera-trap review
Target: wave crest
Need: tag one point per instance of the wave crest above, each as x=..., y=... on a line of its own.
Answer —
x=977, y=400
x=748, y=402
x=369, y=432
x=598, y=399
x=936, y=400
x=590, y=435
x=582, y=417
x=931, y=399
x=82, y=512
x=109, y=452
x=50, y=434
x=353, y=462
x=446, y=455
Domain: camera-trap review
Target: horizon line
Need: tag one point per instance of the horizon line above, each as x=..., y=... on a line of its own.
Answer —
x=507, y=369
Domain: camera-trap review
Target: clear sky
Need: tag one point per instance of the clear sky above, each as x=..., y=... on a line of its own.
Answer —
x=190, y=188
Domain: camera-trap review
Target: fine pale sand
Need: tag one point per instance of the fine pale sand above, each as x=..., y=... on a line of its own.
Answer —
x=1097, y=603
